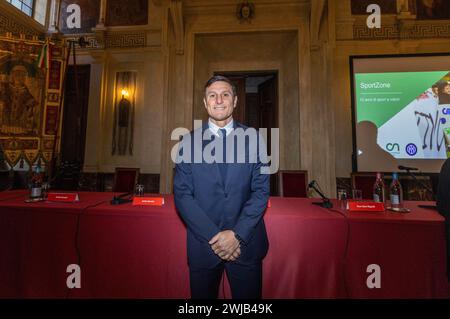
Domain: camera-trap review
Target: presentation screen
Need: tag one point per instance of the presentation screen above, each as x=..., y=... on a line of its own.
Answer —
x=401, y=112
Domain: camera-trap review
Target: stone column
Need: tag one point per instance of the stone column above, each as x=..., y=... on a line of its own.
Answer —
x=53, y=25
x=102, y=16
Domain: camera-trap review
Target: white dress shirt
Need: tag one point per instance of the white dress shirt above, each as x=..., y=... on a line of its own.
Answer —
x=215, y=129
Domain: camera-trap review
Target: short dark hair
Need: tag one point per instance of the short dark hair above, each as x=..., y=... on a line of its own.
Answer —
x=221, y=78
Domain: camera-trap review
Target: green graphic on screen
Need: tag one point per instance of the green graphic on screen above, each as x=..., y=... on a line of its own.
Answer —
x=410, y=109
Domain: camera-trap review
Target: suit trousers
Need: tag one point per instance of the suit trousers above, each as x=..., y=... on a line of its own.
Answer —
x=245, y=281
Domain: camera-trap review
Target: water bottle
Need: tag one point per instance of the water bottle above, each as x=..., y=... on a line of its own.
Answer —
x=36, y=183
x=396, y=192
x=378, y=189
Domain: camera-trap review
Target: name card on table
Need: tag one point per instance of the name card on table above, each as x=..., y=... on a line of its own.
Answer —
x=365, y=206
x=148, y=201
x=63, y=197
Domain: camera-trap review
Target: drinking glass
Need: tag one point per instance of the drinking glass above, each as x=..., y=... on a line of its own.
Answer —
x=342, y=198
x=139, y=190
x=357, y=195
x=45, y=188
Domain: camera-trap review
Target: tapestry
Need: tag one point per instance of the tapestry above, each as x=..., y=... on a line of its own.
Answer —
x=29, y=100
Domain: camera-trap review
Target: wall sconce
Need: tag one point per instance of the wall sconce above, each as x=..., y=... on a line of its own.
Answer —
x=124, y=109
x=125, y=93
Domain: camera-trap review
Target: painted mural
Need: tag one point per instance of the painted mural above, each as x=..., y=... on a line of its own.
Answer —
x=359, y=7
x=433, y=9
x=125, y=13
x=22, y=86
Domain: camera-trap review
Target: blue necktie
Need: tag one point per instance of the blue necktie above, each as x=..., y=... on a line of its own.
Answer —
x=223, y=166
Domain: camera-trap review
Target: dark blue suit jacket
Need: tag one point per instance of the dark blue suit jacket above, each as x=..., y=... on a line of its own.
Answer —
x=208, y=204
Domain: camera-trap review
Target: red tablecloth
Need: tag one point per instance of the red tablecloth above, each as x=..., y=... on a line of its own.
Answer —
x=37, y=243
x=409, y=248
x=140, y=252
x=12, y=194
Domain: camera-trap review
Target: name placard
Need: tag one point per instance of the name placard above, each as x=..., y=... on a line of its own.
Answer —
x=365, y=206
x=148, y=201
x=63, y=197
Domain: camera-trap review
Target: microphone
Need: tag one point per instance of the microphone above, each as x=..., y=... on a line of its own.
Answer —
x=325, y=200
x=406, y=168
x=117, y=200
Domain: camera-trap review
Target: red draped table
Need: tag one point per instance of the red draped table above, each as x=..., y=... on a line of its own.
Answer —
x=127, y=251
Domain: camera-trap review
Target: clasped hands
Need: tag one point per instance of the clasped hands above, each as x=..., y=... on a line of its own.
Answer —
x=225, y=245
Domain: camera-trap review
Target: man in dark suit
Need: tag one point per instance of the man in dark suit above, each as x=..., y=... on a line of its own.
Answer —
x=222, y=203
x=443, y=205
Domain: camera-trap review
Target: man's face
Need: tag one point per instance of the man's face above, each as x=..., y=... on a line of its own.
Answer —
x=220, y=101
x=246, y=12
x=18, y=76
x=447, y=89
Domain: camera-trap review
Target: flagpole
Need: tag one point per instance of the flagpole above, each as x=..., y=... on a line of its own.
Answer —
x=59, y=111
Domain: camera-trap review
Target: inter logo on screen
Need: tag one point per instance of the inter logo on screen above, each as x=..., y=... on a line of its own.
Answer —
x=411, y=149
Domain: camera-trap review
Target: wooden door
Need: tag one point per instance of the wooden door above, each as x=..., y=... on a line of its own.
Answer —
x=239, y=112
x=73, y=138
x=268, y=117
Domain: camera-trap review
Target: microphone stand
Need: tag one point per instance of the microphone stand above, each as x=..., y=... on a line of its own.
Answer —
x=408, y=171
x=117, y=200
x=325, y=201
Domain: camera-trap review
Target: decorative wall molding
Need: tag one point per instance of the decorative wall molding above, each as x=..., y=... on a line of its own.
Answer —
x=90, y=39
x=126, y=40
x=410, y=30
x=430, y=31
x=109, y=40
x=362, y=32
x=11, y=24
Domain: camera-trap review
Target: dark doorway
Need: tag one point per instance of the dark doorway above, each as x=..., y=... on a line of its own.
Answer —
x=257, y=104
x=74, y=125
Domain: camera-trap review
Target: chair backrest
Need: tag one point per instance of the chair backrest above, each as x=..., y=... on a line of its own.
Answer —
x=125, y=179
x=6, y=180
x=20, y=179
x=364, y=181
x=293, y=183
